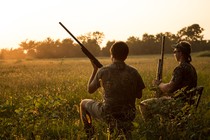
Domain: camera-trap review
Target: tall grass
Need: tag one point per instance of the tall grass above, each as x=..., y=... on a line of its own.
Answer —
x=39, y=99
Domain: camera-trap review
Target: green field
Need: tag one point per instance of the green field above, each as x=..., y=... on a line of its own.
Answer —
x=39, y=99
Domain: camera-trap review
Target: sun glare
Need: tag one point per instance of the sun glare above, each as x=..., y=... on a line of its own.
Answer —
x=118, y=19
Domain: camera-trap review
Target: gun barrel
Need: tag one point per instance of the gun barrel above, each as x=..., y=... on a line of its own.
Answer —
x=163, y=47
x=160, y=61
x=85, y=51
x=71, y=34
x=159, y=70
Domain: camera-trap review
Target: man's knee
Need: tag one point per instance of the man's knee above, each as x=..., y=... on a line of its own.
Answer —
x=146, y=114
x=142, y=108
x=83, y=109
x=83, y=103
x=84, y=115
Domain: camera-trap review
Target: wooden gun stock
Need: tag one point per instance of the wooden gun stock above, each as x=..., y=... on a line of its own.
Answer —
x=85, y=51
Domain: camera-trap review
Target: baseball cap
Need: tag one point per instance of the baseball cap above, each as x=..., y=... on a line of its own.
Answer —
x=183, y=46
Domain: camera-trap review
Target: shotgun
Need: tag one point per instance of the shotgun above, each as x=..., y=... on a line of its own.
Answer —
x=160, y=66
x=84, y=50
x=160, y=61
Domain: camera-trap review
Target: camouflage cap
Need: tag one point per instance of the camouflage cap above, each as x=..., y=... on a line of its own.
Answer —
x=183, y=46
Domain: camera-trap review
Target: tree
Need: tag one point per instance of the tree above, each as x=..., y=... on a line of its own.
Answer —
x=91, y=41
x=29, y=47
x=65, y=48
x=149, y=43
x=46, y=49
x=191, y=33
x=134, y=44
x=92, y=46
x=105, y=50
x=169, y=40
x=12, y=54
x=98, y=36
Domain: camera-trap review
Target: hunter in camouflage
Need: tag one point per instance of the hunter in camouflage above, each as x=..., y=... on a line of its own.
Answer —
x=184, y=76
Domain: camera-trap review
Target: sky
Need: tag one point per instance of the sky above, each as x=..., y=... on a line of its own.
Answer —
x=37, y=20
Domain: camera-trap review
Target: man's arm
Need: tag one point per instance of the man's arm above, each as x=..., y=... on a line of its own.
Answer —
x=176, y=79
x=92, y=84
x=166, y=87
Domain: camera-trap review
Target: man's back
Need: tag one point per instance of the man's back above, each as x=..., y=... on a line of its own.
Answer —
x=121, y=84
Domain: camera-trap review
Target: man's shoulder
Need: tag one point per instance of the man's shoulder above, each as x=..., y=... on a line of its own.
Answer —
x=131, y=69
x=106, y=67
x=186, y=67
x=183, y=66
x=111, y=67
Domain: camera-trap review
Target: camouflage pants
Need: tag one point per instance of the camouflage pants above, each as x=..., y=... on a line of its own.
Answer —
x=164, y=106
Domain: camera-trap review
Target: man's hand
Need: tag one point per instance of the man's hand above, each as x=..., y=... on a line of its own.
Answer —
x=94, y=66
x=156, y=82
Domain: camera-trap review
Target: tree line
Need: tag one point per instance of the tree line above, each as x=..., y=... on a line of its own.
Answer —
x=68, y=48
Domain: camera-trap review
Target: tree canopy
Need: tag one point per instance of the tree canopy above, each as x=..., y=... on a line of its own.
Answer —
x=67, y=48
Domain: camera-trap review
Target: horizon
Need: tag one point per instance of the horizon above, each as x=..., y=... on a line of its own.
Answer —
x=118, y=20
